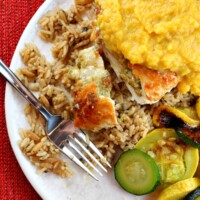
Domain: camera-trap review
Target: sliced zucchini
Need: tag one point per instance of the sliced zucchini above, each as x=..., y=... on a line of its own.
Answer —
x=136, y=172
x=189, y=135
x=179, y=190
x=184, y=120
x=193, y=195
x=175, y=159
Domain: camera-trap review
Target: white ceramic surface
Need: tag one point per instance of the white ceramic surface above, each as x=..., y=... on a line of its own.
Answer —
x=49, y=186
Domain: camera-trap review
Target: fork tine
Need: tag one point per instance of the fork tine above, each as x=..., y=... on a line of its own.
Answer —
x=88, y=152
x=83, y=156
x=71, y=156
x=93, y=147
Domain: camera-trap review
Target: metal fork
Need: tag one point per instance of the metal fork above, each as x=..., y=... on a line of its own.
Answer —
x=62, y=133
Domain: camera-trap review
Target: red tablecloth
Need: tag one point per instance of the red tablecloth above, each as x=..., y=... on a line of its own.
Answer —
x=14, y=16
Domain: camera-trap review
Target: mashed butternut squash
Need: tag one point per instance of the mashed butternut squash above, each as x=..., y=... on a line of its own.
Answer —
x=158, y=34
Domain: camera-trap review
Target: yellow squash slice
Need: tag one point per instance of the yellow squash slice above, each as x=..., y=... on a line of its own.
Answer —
x=180, y=189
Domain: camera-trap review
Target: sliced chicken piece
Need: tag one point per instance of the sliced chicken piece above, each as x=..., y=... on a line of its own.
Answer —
x=155, y=83
x=146, y=86
x=90, y=68
x=93, y=107
x=91, y=111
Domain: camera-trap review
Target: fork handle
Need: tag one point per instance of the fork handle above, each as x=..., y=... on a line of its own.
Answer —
x=23, y=90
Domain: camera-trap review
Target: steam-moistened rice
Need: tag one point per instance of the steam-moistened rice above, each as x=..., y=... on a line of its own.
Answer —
x=69, y=34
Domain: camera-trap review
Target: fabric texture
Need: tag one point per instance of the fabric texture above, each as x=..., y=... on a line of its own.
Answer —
x=14, y=16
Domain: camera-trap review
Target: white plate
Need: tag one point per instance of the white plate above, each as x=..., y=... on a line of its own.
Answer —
x=49, y=186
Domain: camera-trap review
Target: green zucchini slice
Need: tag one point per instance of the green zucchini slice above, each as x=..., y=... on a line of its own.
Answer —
x=189, y=136
x=136, y=172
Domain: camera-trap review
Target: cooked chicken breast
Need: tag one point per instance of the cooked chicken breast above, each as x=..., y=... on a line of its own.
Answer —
x=146, y=86
x=91, y=111
x=155, y=83
x=93, y=107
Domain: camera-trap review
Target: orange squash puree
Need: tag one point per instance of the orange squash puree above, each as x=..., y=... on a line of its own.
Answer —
x=158, y=34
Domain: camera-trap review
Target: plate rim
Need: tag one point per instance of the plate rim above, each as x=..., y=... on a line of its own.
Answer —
x=8, y=89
